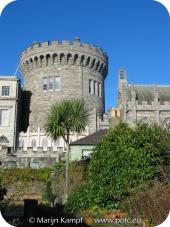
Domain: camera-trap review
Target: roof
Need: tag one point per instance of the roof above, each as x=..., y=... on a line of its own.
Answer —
x=91, y=139
x=146, y=92
x=9, y=78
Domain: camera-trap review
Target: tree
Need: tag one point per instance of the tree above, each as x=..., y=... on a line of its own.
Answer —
x=64, y=118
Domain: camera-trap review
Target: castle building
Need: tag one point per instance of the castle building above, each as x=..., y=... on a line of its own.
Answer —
x=143, y=103
x=55, y=71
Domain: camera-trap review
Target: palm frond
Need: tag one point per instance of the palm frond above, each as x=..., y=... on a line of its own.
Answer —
x=69, y=115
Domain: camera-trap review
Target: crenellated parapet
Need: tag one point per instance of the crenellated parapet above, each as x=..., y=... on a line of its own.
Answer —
x=63, y=53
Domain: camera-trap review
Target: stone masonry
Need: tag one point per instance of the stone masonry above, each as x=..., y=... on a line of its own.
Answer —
x=143, y=103
x=75, y=64
x=55, y=71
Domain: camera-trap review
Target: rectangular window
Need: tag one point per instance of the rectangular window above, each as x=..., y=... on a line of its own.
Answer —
x=99, y=90
x=95, y=88
x=51, y=83
x=4, y=117
x=90, y=86
x=86, y=153
x=45, y=84
x=57, y=83
x=5, y=90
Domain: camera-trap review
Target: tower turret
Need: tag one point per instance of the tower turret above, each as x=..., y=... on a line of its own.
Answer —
x=122, y=92
x=56, y=70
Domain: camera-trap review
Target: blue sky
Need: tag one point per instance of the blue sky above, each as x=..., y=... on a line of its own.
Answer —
x=134, y=33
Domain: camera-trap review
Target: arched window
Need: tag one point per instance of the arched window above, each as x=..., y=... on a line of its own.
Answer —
x=101, y=67
x=82, y=59
x=48, y=59
x=88, y=61
x=33, y=143
x=69, y=56
x=62, y=56
x=97, y=65
x=31, y=63
x=21, y=143
x=54, y=58
x=41, y=60
x=93, y=63
x=56, y=143
x=76, y=58
x=122, y=74
x=36, y=61
x=44, y=142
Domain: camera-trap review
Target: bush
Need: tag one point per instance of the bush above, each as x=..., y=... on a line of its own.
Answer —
x=149, y=203
x=78, y=199
x=125, y=158
x=77, y=176
x=47, y=195
x=3, y=203
x=56, y=184
x=24, y=175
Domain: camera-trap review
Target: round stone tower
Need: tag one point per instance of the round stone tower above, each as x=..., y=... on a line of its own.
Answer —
x=55, y=70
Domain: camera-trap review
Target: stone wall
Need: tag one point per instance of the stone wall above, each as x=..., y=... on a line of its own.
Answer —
x=74, y=63
x=143, y=103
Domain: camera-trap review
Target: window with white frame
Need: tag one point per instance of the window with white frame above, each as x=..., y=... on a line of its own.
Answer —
x=33, y=143
x=95, y=88
x=21, y=143
x=56, y=83
x=51, y=83
x=99, y=89
x=86, y=153
x=122, y=74
x=90, y=86
x=45, y=84
x=4, y=117
x=56, y=143
x=5, y=90
x=44, y=142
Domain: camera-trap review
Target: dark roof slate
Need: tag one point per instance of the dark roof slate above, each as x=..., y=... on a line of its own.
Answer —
x=91, y=139
x=146, y=92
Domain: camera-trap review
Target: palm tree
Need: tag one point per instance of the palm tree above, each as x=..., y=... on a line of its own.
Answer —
x=66, y=117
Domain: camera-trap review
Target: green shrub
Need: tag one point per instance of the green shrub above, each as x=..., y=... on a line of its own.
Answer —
x=149, y=203
x=77, y=176
x=3, y=203
x=24, y=175
x=78, y=199
x=125, y=158
x=48, y=195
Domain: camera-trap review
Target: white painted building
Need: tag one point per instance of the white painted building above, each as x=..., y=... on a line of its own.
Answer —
x=9, y=106
x=37, y=150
